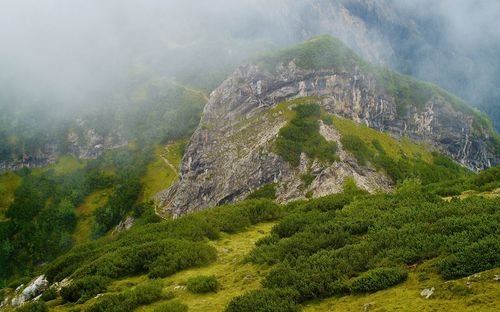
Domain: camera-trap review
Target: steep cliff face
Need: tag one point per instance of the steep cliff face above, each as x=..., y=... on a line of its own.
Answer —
x=231, y=153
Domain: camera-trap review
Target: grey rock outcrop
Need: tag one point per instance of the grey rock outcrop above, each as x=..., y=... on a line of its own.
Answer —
x=124, y=225
x=34, y=289
x=230, y=154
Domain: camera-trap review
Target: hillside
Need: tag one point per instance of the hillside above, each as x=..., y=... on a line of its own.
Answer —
x=288, y=257
x=249, y=118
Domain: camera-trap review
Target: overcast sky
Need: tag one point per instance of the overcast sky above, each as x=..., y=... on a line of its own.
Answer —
x=70, y=48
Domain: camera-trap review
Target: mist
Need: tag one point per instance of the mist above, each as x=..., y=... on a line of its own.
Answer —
x=69, y=55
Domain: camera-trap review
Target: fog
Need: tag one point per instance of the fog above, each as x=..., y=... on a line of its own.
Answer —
x=62, y=54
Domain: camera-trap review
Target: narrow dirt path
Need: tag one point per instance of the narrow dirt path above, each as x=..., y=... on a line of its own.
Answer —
x=167, y=162
x=174, y=169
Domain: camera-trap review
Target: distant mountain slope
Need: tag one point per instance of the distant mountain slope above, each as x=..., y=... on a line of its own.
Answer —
x=148, y=110
x=234, y=150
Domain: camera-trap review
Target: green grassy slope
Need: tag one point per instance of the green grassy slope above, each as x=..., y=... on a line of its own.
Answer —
x=468, y=294
x=85, y=217
x=163, y=171
x=300, y=250
x=8, y=184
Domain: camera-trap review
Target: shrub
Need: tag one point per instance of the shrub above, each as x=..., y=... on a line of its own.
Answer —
x=38, y=306
x=129, y=300
x=49, y=294
x=18, y=282
x=84, y=288
x=480, y=256
x=111, y=303
x=260, y=210
x=357, y=147
x=301, y=135
x=148, y=257
x=146, y=293
x=171, y=307
x=377, y=279
x=265, y=300
x=267, y=191
x=168, y=264
x=203, y=284
x=294, y=223
x=235, y=218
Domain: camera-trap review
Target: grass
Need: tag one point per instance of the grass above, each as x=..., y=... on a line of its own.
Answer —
x=466, y=194
x=63, y=165
x=393, y=148
x=483, y=296
x=160, y=175
x=85, y=217
x=8, y=184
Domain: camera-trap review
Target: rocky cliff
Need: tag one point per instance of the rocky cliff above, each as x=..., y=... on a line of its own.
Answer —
x=231, y=153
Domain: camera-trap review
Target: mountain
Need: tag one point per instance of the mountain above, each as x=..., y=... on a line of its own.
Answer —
x=442, y=42
x=241, y=144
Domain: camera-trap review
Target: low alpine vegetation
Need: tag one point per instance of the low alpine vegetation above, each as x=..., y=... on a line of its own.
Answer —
x=129, y=300
x=84, y=288
x=357, y=243
x=203, y=284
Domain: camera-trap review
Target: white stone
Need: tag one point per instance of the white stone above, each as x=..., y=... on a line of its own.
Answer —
x=427, y=292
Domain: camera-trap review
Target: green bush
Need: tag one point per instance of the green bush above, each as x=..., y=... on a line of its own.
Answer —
x=478, y=256
x=267, y=191
x=357, y=147
x=149, y=258
x=301, y=135
x=265, y=300
x=146, y=293
x=129, y=300
x=378, y=279
x=318, y=53
x=171, y=307
x=18, y=282
x=84, y=288
x=38, y=306
x=49, y=294
x=237, y=217
x=112, y=303
x=203, y=284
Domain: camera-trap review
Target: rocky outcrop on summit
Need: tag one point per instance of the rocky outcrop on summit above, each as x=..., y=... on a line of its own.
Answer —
x=231, y=153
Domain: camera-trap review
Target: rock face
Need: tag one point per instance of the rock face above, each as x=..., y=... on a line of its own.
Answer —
x=34, y=289
x=124, y=225
x=231, y=154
